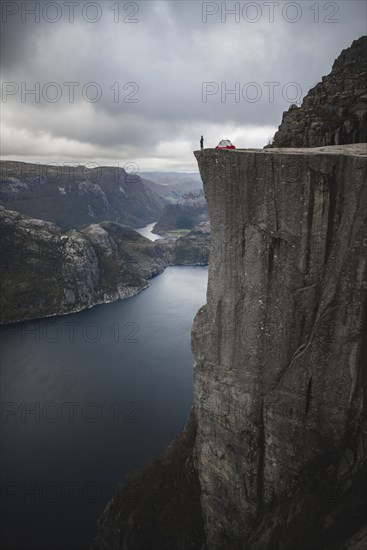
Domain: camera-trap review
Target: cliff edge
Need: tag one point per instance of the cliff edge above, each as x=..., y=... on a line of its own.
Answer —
x=281, y=348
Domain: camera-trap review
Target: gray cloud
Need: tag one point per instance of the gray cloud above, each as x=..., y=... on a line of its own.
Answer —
x=169, y=53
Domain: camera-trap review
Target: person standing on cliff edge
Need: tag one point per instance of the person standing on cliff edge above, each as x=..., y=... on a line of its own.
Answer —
x=201, y=143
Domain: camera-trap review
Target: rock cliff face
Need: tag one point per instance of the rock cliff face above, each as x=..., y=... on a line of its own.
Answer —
x=74, y=197
x=47, y=272
x=281, y=349
x=277, y=439
x=335, y=111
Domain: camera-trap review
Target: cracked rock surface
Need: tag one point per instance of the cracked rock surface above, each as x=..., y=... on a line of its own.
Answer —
x=281, y=349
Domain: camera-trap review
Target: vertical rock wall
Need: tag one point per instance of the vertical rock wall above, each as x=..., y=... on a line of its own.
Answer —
x=281, y=347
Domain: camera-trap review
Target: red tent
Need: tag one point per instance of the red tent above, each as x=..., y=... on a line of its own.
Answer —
x=225, y=144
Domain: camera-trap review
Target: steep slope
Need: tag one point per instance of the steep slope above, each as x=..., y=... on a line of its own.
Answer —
x=44, y=271
x=335, y=111
x=281, y=349
x=190, y=210
x=74, y=197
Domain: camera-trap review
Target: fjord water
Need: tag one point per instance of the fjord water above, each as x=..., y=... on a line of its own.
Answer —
x=147, y=232
x=87, y=398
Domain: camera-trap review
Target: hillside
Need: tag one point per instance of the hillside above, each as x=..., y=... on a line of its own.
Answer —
x=45, y=271
x=74, y=197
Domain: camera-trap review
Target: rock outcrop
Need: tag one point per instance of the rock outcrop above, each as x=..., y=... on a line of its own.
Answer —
x=74, y=197
x=335, y=111
x=47, y=272
x=190, y=210
x=281, y=349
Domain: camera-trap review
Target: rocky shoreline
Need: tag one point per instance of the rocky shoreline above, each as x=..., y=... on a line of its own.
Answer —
x=123, y=296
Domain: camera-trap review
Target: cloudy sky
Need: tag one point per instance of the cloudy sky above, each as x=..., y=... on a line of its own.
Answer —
x=117, y=82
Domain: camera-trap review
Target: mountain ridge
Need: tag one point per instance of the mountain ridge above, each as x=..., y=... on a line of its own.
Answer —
x=76, y=196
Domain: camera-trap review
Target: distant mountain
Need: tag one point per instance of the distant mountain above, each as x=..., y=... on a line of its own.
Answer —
x=74, y=197
x=190, y=210
x=172, y=185
x=169, y=178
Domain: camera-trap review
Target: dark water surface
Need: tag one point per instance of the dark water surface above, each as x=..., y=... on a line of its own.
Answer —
x=86, y=398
